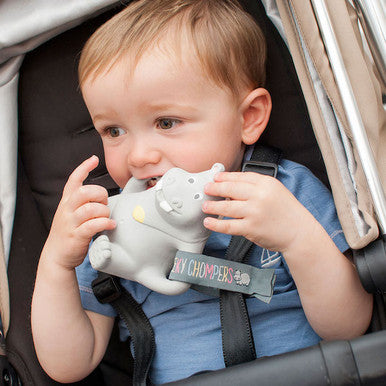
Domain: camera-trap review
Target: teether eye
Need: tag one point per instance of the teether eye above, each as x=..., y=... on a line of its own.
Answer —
x=198, y=196
x=191, y=180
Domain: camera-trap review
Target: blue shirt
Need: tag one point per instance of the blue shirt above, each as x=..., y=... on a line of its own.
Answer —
x=187, y=327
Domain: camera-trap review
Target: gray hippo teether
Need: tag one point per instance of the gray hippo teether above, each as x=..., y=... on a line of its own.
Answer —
x=152, y=224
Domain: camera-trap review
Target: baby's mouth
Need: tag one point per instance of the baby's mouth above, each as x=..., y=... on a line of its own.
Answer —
x=152, y=182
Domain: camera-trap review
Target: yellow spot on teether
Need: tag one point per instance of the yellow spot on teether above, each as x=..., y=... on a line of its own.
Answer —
x=139, y=213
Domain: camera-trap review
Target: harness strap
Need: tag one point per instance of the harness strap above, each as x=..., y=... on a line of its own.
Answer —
x=237, y=338
x=108, y=289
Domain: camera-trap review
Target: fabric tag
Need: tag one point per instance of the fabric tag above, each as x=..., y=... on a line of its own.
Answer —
x=208, y=271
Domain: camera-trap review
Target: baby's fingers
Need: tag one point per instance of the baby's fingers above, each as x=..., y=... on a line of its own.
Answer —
x=89, y=228
x=247, y=177
x=231, y=227
x=91, y=210
x=89, y=193
x=80, y=174
x=226, y=208
x=235, y=191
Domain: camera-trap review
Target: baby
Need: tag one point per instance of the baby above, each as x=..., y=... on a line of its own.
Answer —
x=179, y=83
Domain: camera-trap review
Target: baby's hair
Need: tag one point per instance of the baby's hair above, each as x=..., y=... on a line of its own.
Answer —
x=226, y=40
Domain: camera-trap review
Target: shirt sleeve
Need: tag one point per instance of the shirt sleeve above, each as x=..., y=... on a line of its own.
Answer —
x=315, y=197
x=86, y=274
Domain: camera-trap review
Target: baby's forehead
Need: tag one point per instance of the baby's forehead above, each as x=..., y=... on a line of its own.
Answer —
x=173, y=45
x=177, y=48
x=177, y=53
x=163, y=58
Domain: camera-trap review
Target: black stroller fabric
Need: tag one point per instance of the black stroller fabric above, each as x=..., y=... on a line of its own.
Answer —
x=56, y=135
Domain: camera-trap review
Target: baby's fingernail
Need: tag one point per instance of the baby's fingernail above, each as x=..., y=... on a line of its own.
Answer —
x=208, y=186
x=206, y=221
x=217, y=176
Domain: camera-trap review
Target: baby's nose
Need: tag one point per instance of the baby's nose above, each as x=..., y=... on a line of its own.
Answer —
x=142, y=154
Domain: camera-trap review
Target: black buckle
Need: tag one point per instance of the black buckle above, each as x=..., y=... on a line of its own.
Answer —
x=266, y=168
x=106, y=289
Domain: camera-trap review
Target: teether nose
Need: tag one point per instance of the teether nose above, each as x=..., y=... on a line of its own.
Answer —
x=177, y=203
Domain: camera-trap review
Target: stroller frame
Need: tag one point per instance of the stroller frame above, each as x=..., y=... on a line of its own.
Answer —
x=352, y=111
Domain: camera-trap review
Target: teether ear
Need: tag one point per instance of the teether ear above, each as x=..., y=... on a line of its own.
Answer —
x=217, y=167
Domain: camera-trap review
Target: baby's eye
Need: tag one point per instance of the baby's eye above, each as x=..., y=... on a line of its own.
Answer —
x=115, y=131
x=167, y=123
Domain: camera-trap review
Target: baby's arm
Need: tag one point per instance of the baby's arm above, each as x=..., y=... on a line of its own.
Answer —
x=69, y=341
x=265, y=212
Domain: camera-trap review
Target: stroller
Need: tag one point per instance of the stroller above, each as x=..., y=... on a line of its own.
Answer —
x=327, y=76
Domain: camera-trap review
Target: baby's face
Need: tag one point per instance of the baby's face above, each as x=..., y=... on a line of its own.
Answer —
x=167, y=114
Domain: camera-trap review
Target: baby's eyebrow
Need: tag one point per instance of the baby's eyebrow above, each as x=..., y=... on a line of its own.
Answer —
x=102, y=116
x=169, y=107
x=98, y=117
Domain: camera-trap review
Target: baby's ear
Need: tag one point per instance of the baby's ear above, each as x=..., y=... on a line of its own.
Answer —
x=256, y=109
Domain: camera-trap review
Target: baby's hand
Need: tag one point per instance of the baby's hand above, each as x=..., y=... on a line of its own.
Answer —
x=261, y=208
x=82, y=212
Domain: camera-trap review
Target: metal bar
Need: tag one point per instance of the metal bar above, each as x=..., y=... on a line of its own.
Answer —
x=352, y=112
x=372, y=17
